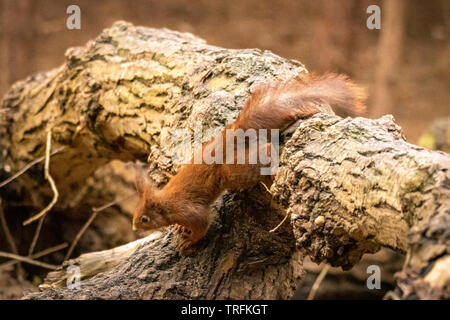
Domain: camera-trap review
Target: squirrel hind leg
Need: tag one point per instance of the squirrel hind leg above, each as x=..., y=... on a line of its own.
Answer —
x=194, y=228
x=186, y=243
x=190, y=238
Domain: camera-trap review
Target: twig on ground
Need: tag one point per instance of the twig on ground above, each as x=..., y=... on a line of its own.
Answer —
x=110, y=204
x=50, y=180
x=37, y=254
x=80, y=233
x=280, y=224
x=10, y=239
x=37, y=232
x=265, y=187
x=28, y=166
x=318, y=281
x=95, y=211
x=28, y=260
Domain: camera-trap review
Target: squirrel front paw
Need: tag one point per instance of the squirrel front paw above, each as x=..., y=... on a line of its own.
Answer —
x=177, y=228
x=181, y=230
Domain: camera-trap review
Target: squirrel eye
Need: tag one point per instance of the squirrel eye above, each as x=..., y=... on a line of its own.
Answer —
x=145, y=219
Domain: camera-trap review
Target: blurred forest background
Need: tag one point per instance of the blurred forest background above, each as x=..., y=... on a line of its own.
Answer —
x=405, y=66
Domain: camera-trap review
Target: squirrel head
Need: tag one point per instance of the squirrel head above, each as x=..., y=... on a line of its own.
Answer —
x=150, y=212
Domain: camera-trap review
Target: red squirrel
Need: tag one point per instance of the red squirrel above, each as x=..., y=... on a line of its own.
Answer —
x=185, y=200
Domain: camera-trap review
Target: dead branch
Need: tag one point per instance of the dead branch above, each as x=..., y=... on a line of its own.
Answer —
x=37, y=255
x=319, y=279
x=95, y=211
x=28, y=166
x=41, y=214
x=28, y=260
x=10, y=239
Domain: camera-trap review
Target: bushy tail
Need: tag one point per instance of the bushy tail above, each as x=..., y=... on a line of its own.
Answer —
x=278, y=105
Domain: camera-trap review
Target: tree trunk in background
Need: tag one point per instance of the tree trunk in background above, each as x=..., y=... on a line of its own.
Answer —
x=351, y=186
x=17, y=41
x=389, y=55
x=437, y=135
x=333, y=40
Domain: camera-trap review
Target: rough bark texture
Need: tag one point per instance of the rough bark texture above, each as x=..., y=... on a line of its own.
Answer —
x=122, y=95
x=237, y=259
x=350, y=185
x=354, y=185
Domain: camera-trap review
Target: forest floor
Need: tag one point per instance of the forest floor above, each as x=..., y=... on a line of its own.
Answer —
x=11, y=288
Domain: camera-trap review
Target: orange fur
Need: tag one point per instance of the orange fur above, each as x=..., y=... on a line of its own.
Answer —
x=186, y=199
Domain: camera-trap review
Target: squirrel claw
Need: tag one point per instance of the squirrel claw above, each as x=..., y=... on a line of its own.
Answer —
x=181, y=230
x=177, y=228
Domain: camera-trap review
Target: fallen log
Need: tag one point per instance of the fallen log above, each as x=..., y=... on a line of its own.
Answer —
x=350, y=186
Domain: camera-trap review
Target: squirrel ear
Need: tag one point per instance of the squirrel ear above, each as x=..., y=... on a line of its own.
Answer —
x=142, y=180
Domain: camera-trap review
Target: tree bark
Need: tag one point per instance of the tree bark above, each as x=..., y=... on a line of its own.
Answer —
x=354, y=185
x=350, y=186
